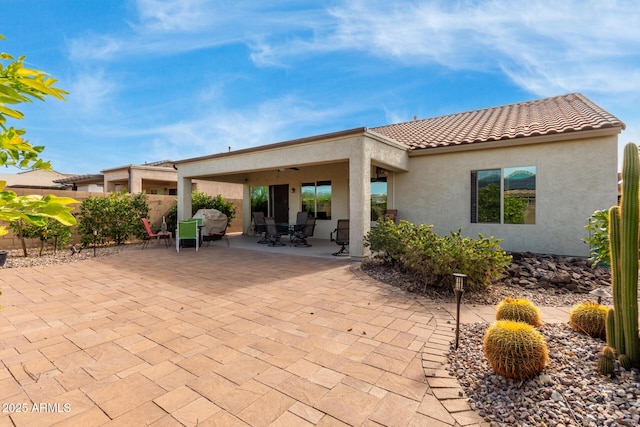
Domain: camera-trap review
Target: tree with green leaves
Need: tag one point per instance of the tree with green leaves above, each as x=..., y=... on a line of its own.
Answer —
x=201, y=200
x=19, y=84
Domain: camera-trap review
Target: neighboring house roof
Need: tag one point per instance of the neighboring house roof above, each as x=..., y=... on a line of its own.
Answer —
x=75, y=179
x=560, y=114
x=167, y=164
x=34, y=178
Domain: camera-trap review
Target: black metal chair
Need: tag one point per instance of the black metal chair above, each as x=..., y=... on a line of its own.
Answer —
x=341, y=237
x=273, y=234
x=261, y=227
x=300, y=236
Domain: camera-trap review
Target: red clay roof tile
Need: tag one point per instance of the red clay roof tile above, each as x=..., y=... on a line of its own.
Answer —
x=560, y=114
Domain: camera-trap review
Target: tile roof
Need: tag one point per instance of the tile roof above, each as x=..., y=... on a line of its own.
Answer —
x=560, y=114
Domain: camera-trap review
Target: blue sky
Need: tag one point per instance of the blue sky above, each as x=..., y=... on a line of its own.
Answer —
x=151, y=80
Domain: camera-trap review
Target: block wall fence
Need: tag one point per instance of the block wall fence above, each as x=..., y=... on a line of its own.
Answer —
x=158, y=206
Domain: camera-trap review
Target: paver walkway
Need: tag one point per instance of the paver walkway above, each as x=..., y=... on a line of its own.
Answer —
x=225, y=337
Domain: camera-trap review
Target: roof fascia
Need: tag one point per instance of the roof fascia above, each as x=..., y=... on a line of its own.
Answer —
x=142, y=167
x=515, y=142
x=277, y=145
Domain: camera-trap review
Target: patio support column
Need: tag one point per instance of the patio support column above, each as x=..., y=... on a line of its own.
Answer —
x=359, y=201
x=246, y=207
x=109, y=186
x=184, y=198
x=135, y=181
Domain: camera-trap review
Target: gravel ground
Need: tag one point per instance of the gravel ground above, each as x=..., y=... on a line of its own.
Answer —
x=492, y=296
x=569, y=392
x=16, y=258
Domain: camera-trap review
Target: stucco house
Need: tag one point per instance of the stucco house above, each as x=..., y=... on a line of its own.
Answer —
x=529, y=173
x=41, y=179
x=153, y=178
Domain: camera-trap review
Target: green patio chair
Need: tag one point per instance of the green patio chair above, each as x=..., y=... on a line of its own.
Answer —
x=187, y=230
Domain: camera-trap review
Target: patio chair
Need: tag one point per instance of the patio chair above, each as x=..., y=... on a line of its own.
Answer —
x=341, y=237
x=164, y=235
x=273, y=234
x=261, y=227
x=300, y=236
x=187, y=230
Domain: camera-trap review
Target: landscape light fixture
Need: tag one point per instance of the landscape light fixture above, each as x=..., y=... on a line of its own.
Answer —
x=458, y=290
x=95, y=235
x=600, y=293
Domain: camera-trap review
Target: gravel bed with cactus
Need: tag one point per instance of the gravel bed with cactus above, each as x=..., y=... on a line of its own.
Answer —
x=569, y=391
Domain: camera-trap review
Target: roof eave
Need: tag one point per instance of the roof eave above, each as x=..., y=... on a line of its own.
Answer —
x=306, y=140
x=518, y=141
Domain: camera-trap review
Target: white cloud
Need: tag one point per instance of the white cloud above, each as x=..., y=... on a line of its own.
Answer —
x=272, y=121
x=94, y=47
x=544, y=47
x=90, y=93
x=168, y=27
x=175, y=15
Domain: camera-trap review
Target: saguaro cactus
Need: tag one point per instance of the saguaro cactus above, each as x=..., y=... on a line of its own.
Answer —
x=624, y=257
x=614, y=244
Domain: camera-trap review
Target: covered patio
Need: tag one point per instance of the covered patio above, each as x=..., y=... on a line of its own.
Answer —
x=344, y=161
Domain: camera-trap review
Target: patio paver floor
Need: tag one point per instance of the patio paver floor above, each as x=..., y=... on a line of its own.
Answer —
x=224, y=336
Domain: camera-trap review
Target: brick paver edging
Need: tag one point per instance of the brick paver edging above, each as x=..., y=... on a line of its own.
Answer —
x=443, y=388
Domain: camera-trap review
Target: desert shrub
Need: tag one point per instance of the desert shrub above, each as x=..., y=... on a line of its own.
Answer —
x=52, y=231
x=598, y=239
x=589, y=318
x=201, y=200
x=434, y=259
x=115, y=217
x=518, y=310
x=515, y=349
x=390, y=242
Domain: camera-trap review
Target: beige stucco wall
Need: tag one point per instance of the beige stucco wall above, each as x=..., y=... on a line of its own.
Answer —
x=337, y=173
x=573, y=179
x=226, y=189
x=36, y=177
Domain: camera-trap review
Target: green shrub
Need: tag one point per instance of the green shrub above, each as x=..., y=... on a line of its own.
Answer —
x=52, y=231
x=390, y=242
x=434, y=259
x=115, y=218
x=598, y=239
x=200, y=200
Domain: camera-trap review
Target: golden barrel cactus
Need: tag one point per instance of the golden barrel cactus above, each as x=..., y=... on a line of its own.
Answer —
x=518, y=310
x=515, y=349
x=589, y=318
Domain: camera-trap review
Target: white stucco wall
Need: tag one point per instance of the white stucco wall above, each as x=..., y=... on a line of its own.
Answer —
x=573, y=179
